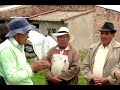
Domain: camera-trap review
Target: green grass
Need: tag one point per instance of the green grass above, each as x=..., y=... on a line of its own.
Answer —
x=81, y=81
x=39, y=78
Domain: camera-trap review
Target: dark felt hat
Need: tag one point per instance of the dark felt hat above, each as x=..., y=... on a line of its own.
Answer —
x=108, y=26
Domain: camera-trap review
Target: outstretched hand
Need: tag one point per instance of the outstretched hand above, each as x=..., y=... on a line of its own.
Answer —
x=40, y=65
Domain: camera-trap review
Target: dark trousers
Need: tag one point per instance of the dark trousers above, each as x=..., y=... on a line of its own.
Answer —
x=61, y=83
x=2, y=81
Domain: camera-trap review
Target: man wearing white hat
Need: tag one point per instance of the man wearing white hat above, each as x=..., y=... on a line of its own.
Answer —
x=13, y=64
x=65, y=60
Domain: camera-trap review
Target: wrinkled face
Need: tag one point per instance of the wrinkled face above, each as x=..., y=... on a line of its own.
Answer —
x=106, y=37
x=63, y=41
x=21, y=38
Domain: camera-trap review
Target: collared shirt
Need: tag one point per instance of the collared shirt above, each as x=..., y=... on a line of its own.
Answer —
x=100, y=60
x=13, y=64
x=60, y=61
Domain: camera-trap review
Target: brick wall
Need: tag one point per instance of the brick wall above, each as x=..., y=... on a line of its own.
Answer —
x=102, y=15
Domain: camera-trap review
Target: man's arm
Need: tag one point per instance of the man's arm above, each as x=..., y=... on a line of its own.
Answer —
x=115, y=74
x=48, y=73
x=12, y=71
x=85, y=68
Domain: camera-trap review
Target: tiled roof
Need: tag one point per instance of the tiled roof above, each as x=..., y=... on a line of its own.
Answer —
x=7, y=11
x=1, y=6
x=59, y=15
x=9, y=7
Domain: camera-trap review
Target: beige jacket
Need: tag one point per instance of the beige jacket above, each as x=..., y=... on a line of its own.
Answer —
x=71, y=75
x=112, y=58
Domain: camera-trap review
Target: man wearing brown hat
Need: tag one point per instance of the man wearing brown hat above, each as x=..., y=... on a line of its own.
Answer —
x=65, y=60
x=13, y=64
x=102, y=57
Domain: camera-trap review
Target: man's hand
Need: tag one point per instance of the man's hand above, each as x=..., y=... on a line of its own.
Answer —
x=117, y=74
x=55, y=80
x=93, y=80
x=100, y=81
x=40, y=65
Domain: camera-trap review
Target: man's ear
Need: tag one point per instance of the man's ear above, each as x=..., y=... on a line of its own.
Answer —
x=113, y=34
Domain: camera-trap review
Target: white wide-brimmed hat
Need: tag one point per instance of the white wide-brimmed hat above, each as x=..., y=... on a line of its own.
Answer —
x=63, y=31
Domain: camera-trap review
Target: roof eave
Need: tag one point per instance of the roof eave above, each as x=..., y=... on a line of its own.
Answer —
x=87, y=12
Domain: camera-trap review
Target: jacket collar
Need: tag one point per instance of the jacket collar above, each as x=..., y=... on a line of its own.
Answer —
x=114, y=44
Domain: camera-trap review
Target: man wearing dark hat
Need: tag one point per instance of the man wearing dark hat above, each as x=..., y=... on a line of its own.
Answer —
x=65, y=60
x=13, y=64
x=102, y=57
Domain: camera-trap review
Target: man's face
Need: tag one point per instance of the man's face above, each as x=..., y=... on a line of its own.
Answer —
x=21, y=38
x=106, y=37
x=63, y=41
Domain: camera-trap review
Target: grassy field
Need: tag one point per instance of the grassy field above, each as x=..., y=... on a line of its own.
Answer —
x=39, y=78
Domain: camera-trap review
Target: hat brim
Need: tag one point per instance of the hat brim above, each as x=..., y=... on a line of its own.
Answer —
x=23, y=30
x=103, y=30
x=60, y=34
